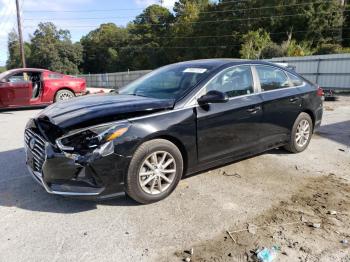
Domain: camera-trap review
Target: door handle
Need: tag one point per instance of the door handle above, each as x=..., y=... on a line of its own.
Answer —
x=292, y=100
x=253, y=110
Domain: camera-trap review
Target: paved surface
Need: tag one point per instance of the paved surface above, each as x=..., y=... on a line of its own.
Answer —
x=36, y=226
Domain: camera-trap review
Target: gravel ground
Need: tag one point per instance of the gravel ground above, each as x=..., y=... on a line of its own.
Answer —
x=263, y=190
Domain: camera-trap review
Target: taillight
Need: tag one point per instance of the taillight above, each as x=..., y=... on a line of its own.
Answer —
x=320, y=91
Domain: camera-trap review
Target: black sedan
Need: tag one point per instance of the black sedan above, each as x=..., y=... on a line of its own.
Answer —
x=175, y=121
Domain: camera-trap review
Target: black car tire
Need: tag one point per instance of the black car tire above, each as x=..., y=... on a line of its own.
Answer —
x=292, y=146
x=63, y=92
x=133, y=187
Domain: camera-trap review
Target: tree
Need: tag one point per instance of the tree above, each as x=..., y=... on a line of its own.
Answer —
x=102, y=48
x=314, y=21
x=53, y=49
x=346, y=26
x=14, y=57
x=149, y=34
x=254, y=43
x=187, y=15
x=292, y=48
x=272, y=50
x=325, y=49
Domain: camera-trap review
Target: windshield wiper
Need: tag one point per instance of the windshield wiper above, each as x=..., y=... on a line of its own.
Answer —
x=137, y=94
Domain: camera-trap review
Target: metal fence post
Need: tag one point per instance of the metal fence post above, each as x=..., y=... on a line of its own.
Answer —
x=318, y=70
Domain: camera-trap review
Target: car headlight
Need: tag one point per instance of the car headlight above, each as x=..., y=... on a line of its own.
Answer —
x=86, y=140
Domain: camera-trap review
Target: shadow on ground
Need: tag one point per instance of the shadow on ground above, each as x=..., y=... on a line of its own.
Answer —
x=338, y=132
x=18, y=189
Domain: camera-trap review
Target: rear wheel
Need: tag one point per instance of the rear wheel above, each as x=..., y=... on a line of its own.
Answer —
x=301, y=134
x=63, y=94
x=154, y=172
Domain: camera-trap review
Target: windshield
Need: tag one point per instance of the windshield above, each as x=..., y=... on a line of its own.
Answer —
x=171, y=81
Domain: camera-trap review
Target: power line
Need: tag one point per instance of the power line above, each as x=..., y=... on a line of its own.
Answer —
x=82, y=11
x=203, y=12
x=6, y=16
x=183, y=47
x=210, y=21
x=97, y=10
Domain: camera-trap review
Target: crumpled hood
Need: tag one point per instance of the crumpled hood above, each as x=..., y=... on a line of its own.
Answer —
x=101, y=108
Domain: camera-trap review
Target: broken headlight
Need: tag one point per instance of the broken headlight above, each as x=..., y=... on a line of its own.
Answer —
x=86, y=140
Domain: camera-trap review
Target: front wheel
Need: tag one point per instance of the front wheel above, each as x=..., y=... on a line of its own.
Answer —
x=63, y=94
x=154, y=172
x=301, y=134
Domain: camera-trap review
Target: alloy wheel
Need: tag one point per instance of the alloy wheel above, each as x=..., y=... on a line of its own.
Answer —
x=303, y=133
x=157, y=172
x=64, y=96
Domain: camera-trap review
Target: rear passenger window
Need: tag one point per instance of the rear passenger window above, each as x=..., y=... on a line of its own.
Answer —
x=272, y=78
x=234, y=81
x=296, y=81
x=55, y=76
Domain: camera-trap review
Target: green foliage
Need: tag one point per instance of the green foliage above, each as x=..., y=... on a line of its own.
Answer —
x=272, y=50
x=53, y=49
x=254, y=42
x=14, y=57
x=293, y=48
x=325, y=49
x=149, y=32
x=102, y=48
x=196, y=29
x=2, y=69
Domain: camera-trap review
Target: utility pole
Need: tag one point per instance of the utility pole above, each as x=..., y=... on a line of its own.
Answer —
x=161, y=2
x=19, y=23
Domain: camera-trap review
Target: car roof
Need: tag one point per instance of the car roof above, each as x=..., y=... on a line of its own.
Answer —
x=222, y=62
x=28, y=69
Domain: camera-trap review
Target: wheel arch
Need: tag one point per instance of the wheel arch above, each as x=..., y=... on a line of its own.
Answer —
x=312, y=115
x=173, y=139
x=178, y=144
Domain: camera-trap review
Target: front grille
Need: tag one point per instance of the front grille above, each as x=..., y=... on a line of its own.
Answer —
x=37, y=147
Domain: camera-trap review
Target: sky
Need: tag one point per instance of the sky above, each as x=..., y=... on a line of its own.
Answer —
x=78, y=16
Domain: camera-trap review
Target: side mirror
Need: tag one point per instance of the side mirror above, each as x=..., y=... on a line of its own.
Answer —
x=3, y=81
x=213, y=96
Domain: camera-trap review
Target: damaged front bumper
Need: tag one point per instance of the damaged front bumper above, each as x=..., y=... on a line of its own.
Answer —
x=61, y=189
x=94, y=176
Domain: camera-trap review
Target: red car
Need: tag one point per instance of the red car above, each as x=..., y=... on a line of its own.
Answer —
x=27, y=87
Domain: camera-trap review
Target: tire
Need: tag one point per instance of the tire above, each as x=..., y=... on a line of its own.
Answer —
x=140, y=172
x=63, y=94
x=295, y=146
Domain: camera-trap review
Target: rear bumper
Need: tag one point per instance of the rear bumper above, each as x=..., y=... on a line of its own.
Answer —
x=318, y=116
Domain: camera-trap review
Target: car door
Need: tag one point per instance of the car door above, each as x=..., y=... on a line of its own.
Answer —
x=231, y=128
x=281, y=104
x=16, y=91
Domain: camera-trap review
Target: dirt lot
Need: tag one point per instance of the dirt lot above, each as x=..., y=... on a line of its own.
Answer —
x=280, y=197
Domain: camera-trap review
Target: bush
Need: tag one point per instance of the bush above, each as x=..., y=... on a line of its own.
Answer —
x=271, y=51
x=326, y=49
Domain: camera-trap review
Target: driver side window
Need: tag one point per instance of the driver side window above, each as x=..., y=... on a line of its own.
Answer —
x=17, y=78
x=235, y=81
